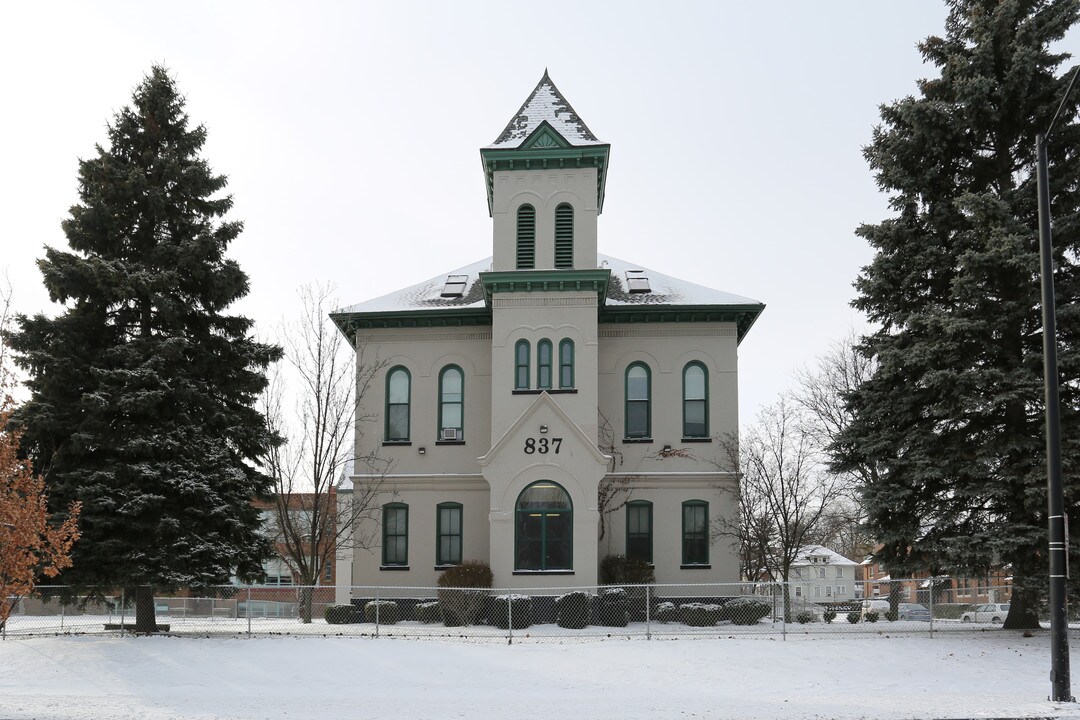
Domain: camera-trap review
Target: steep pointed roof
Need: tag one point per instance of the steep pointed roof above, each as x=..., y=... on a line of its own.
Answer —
x=545, y=104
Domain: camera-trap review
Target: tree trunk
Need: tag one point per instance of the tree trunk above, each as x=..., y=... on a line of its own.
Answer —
x=1024, y=605
x=145, y=621
x=306, y=598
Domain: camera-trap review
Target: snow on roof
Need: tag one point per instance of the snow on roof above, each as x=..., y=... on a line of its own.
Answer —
x=545, y=103
x=665, y=290
x=831, y=558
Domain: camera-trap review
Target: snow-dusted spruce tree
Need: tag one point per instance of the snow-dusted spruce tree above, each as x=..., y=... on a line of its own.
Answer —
x=953, y=415
x=143, y=389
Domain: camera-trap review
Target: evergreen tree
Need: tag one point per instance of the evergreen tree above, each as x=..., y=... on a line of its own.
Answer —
x=953, y=416
x=143, y=389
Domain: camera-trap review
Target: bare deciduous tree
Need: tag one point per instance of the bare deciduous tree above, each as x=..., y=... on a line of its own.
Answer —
x=310, y=521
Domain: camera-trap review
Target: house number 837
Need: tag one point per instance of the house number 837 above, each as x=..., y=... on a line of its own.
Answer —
x=542, y=446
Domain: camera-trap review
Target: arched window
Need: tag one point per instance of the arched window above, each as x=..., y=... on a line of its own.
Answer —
x=566, y=363
x=639, y=530
x=395, y=535
x=543, y=364
x=544, y=528
x=451, y=403
x=564, y=236
x=526, y=237
x=448, y=529
x=695, y=401
x=638, y=401
x=398, y=384
x=695, y=532
x=521, y=365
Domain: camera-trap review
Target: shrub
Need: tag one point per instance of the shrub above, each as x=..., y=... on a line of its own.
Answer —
x=871, y=616
x=621, y=570
x=428, y=612
x=572, y=610
x=666, y=612
x=891, y=615
x=699, y=614
x=612, y=608
x=387, y=611
x=745, y=609
x=804, y=617
x=342, y=614
x=462, y=592
x=854, y=617
x=829, y=615
x=507, y=608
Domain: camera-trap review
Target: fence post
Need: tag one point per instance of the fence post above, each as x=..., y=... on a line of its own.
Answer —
x=376, y=611
x=648, y=612
x=247, y=609
x=123, y=602
x=931, y=607
x=783, y=610
x=61, y=615
x=510, y=617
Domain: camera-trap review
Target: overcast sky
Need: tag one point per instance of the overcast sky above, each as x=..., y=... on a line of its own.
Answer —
x=350, y=133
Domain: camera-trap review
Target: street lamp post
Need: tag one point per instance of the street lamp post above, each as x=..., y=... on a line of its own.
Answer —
x=1059, y=639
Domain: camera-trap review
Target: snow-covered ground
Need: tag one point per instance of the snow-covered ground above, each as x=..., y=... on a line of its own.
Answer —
x=994, y=674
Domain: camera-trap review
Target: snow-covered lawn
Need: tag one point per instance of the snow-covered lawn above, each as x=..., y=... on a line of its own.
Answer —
x=993, y=674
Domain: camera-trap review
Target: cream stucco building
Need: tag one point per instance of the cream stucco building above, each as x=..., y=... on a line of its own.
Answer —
x=503, y=399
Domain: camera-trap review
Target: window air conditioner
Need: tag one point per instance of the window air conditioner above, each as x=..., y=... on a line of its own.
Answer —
x=450, y=434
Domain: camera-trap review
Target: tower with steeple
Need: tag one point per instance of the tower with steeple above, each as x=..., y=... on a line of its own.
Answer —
x=548, y=405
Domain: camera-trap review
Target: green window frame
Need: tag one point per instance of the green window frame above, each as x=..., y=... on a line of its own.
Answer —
x=695, y=532
x=521, y=365
x=398, y=404
x=526, y=237
x=637, y=418
x=448, y=516
x=395, y=535
x=544, y=528
x=639, y=530
x=566, y=364
x=451, y=401
x=543, y=364
x=695, y=415
x=564, y=236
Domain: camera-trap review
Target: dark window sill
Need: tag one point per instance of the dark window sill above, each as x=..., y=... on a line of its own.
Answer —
x=447, y=566
x=449, y=442
x=696, y=566
x=549, y=391
x=393, y=567
x=397, y=442
x=697, y=440
x=630, y=441
x=543, y=572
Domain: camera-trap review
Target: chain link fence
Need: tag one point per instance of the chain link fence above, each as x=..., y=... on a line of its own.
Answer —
x=773, y=610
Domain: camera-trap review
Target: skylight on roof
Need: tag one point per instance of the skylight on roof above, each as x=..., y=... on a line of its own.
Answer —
x=637, y=281
x=455, y=286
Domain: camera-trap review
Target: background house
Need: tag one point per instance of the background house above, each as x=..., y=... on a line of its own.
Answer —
x=820, y=575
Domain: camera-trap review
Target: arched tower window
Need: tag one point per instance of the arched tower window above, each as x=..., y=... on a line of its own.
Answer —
x=564, y=236
x=543, y=364
x=566, y=363
x=521, y=365
x=695, y=416
x=526, y=237
x=451, y=403
x=638, y=419
x=543, y=528
x=397, y=404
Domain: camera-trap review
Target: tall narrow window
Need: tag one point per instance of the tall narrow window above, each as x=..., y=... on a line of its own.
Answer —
x=566, y=363
x=564, y=236
x=543, y=364
x=695, y=415
x=638, y=399
x=544, y=528
x=451, y=403
x=639, y=530
x=448, y=527
x=526, y=237
x=521, y=365
x=695, y=532
x=395, y=534
x=397, y=405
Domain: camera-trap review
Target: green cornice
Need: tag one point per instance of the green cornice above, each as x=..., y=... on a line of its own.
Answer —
x=349, y=323
x=594, y=280
x=744, y=316
x=546, y=158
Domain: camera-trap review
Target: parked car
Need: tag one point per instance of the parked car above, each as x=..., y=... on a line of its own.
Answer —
x=875, y=605
x=988, y=612
x=912, y=611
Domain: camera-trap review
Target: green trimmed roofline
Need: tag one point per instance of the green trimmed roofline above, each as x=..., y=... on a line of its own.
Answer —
x=594, y=280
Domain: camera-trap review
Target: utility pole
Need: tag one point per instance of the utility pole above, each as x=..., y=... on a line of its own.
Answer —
x=1059, y=559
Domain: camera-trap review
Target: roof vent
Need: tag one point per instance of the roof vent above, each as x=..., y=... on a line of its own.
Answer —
x=455, y=286
x=637, y=281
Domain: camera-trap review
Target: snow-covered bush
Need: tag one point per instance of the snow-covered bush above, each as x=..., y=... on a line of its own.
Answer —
x=699, y=614
x=515, y=608
x=804, y=617
x=666, y=612
x=428, y=612
x=612, y=608
x=572, y=610
x=342, y=614
x=745, y=609
x=829, y=615
x=387, y=612
x=853, y=617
